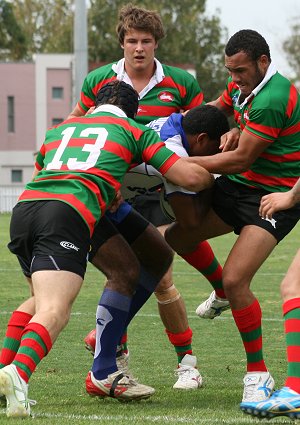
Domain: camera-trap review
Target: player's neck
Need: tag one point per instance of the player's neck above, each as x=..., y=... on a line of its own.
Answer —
x=140, y=78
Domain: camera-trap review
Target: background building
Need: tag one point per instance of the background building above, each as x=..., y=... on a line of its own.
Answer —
x=33, y=97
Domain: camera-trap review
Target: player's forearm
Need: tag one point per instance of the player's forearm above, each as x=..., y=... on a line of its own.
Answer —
x=223, y=163
x=295, y=192
x=188, y=174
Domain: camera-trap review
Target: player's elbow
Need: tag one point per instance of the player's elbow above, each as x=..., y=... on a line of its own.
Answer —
x=196, y=182
x=242, y=167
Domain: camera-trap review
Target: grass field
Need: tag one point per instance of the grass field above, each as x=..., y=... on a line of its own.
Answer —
x=58, y=383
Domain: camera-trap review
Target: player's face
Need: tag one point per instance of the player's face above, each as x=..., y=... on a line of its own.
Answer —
x=139, y=48
x=202, y=145
x=245, y=72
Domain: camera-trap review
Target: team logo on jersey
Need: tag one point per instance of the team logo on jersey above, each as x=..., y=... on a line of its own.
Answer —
x=246, y=116
x=69, y=245
x=140, y=110
x=166, y=96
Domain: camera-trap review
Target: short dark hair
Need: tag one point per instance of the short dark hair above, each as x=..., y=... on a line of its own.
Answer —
x=119, y=94
x=205, y=119
x=132, y=17
x=250, y=42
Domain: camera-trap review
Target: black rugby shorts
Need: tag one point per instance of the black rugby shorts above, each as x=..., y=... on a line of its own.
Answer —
x=49, y=235
x=238, y=206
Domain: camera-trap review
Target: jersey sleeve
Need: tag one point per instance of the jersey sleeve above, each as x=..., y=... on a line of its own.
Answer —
x=39, y=161
x=175, y=144
x=87, y=97
x=226, y=98
x=154, y=151
x=194, y=94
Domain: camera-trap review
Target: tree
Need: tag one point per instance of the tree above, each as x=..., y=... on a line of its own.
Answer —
x=291, y=47
x=191, y=38
x=13, y=43
x=48, y=25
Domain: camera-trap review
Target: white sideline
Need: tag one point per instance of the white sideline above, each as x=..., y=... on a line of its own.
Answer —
x=176, y=273
x=155, y=419
x=191, y=316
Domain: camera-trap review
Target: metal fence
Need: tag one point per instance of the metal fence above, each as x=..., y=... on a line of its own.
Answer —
x=8, y=197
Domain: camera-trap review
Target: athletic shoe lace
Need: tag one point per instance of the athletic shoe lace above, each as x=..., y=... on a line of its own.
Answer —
x=185, y=372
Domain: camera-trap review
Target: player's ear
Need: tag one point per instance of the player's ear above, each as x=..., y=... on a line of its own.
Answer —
x=201, y=137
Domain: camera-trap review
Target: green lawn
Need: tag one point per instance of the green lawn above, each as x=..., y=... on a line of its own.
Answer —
x=58, y=384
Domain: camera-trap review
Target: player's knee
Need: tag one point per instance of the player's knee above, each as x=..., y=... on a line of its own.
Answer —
x=164, y=256
x=289, y=288
x=58, y=317
x=165, y=282
x=130, y=274
x=168, y=295
x=231, y=281
x=124, y=279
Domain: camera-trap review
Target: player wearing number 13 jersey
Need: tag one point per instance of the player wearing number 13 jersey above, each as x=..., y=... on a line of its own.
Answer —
x=82, y=163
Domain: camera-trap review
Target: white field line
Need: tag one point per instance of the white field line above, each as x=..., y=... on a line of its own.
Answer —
x=175, y=273
x=151, y=419
x=156, y=316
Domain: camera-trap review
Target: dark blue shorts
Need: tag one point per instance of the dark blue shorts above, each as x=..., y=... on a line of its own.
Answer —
x=126, y=221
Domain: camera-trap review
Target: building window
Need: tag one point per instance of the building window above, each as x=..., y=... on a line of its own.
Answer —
x=11, y=114
x=57, y=92
x=16, y=176
x=56, y=121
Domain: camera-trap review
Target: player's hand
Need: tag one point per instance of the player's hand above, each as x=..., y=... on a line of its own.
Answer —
x=116, y=202
x=230, y=140
x=273, y=202
x=92, y=108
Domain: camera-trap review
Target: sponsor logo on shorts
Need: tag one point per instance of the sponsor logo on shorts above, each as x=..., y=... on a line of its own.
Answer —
x=272, y=221
x=69, y=245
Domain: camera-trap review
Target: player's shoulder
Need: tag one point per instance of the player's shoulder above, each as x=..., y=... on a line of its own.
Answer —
x=275, y=95
x=174, y=71
x=101, y=72
x=142, y=130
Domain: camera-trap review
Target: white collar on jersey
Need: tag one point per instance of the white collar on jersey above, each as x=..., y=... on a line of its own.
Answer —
x=157, y=77
x=112, y=109
x=269, y=74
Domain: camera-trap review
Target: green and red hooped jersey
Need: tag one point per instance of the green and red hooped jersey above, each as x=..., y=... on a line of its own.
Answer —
x=274, y=116
x=178, y=90
x=83, y=161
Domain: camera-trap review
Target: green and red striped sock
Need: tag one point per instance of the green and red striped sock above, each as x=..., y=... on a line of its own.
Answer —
x=124, y=342
x=248, y=322
x=12, y=339
x=203, y=259
x=182, y=342
x=291, y=312
x=35, y=345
